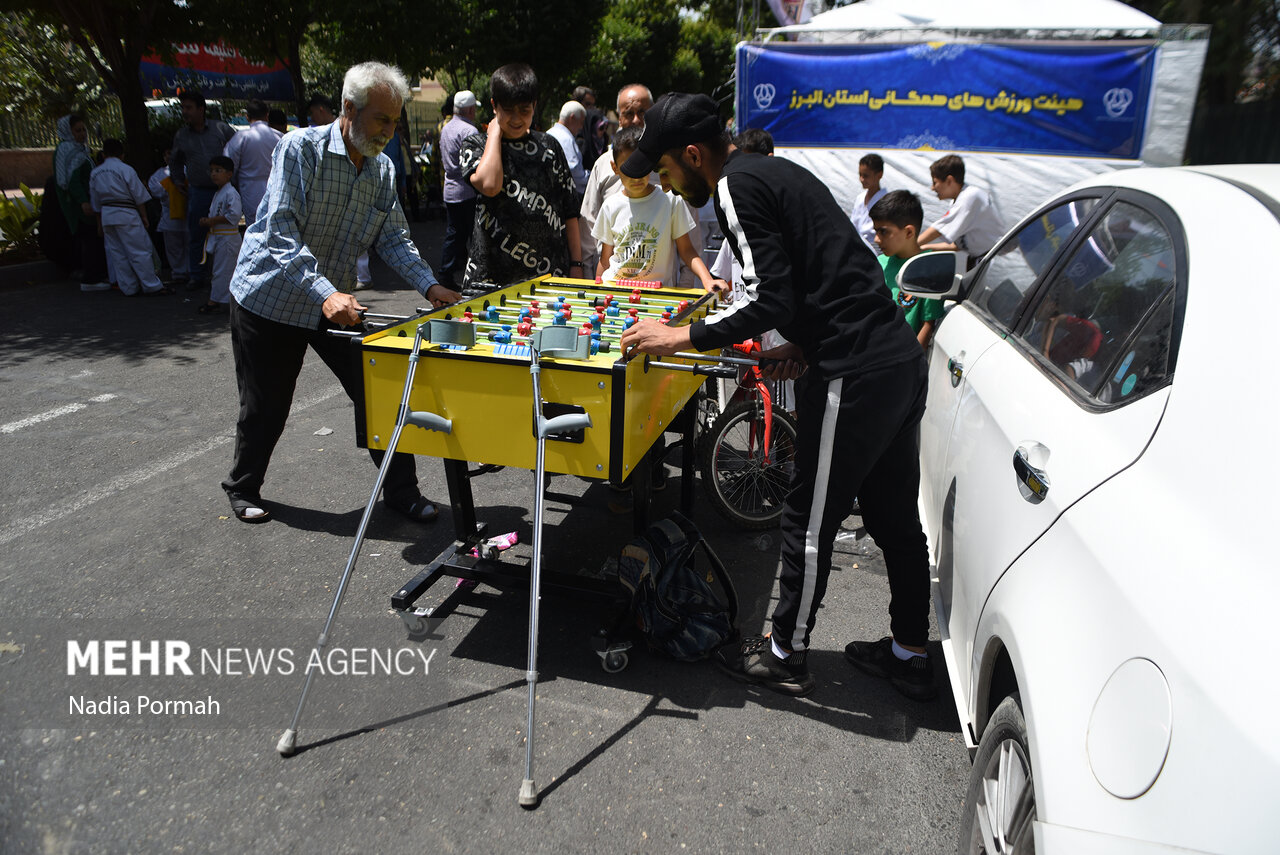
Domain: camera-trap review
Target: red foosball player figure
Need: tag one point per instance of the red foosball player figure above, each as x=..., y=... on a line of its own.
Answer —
x=650, y=285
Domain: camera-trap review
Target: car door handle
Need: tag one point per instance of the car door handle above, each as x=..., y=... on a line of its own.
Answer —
x=956, y=369
x=1035, y=480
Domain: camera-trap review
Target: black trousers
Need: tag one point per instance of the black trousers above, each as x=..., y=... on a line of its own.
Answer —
x=93, y=252
x=268, y=359
x=459, y=221
x=858, y=438
x=198, y=201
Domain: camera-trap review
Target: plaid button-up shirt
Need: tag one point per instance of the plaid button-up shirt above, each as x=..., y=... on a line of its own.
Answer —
x=319, y=215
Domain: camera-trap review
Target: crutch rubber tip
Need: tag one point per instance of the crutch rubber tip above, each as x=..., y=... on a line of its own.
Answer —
x=288, y=743
x=528, y=794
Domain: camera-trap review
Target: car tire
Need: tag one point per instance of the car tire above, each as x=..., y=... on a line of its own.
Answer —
x=1000, y=808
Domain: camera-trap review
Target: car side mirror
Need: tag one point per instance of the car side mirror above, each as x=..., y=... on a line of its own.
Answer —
x=931, y=274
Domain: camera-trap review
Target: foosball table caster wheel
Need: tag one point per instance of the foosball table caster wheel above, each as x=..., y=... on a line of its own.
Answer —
x=417, y=624
x=612, y=663
x=613, y=654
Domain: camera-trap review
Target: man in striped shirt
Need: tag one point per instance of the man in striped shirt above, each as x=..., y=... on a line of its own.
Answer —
x=331, y=196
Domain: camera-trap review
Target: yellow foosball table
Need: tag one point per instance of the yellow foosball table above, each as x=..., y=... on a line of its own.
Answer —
x=527, y=376
x=471, y=372
x=483, y=387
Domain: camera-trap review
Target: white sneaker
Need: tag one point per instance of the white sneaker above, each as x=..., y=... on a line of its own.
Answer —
x=95, y=286
x=361, y=286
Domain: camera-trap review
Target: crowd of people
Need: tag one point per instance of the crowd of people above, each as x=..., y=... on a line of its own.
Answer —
x=817, y=281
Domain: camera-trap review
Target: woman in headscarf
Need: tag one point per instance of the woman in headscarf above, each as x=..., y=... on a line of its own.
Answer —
x=71, y=167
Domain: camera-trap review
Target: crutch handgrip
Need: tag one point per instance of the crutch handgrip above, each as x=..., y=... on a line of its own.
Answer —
x=429, y=421
x=563, y=424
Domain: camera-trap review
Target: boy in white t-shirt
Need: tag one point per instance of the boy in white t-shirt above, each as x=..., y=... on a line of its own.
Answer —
x=971, y=223
x=642, y=231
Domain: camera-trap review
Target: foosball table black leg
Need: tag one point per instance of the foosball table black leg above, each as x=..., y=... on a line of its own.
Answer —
x=641, y=482
x=460, y=499
x=687, y=421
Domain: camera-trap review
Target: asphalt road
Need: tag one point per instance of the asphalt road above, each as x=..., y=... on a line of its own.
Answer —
x=116, y=422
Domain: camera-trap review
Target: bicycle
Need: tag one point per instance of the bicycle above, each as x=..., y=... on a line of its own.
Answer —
x=747, y=455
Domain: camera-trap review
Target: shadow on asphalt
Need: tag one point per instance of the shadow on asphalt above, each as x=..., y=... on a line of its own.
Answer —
x=423, y=538
x=408, y=717
x=67, y=322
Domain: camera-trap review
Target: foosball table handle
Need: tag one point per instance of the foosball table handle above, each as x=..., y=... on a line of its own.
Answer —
x=563, y=424
x=723, y=371
x=429, y=421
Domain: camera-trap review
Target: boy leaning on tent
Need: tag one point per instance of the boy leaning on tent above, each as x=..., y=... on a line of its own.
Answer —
x=970, y=224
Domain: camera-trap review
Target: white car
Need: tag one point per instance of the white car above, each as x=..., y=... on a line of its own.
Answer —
x=1098, y=487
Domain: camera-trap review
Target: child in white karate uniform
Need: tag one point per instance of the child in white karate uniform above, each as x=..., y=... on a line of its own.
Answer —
x=117, y=195
x=173, y=224
x=223, y=242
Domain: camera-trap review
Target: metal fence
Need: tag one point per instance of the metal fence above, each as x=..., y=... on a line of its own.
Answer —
x=423, y=118
x=22, y=130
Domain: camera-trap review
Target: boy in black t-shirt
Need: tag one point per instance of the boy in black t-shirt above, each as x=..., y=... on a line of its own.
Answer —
x=526, y=214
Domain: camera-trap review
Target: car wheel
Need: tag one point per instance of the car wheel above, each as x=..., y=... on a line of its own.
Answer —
x=1000, y=810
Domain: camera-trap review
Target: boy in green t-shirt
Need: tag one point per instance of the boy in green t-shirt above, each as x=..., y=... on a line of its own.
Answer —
x=897, y=218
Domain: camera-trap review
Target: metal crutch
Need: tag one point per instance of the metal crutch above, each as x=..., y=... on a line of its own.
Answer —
x=289, y=740
x=558, y=341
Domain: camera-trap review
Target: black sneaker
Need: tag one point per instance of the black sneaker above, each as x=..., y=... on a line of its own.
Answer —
x=418, y=509
x=912, y=677
x=752, y=661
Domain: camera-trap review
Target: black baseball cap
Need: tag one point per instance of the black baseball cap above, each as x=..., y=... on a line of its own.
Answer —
x=675, y=120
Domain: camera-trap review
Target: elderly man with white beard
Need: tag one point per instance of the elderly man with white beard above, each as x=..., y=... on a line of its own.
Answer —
x=331, y=196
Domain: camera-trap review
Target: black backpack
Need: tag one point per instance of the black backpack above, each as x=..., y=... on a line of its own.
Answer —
x=675, y=605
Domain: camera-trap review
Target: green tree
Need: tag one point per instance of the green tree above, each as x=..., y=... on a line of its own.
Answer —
x=706, y=48
x=44, y=75
x=662, y=44
x=274, y=30
x=470, y=38
x=1244, y=45
x=322, y=72
x=637, y=43
x=113, y=35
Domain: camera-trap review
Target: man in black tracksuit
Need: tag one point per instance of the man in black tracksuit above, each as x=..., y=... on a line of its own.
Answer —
x=808, y=274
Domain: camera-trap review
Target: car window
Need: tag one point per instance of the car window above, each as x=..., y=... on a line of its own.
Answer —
x=1105, y=321
x=1019, y=261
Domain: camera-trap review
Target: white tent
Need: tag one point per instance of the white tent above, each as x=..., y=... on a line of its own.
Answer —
x=1017, y=182
x=980, y=15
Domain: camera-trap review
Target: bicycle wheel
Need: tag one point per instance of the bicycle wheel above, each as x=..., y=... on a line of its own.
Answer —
x=744, y=487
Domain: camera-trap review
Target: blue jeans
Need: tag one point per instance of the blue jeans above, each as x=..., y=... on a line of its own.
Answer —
x=459, y=219
x=198, y=201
